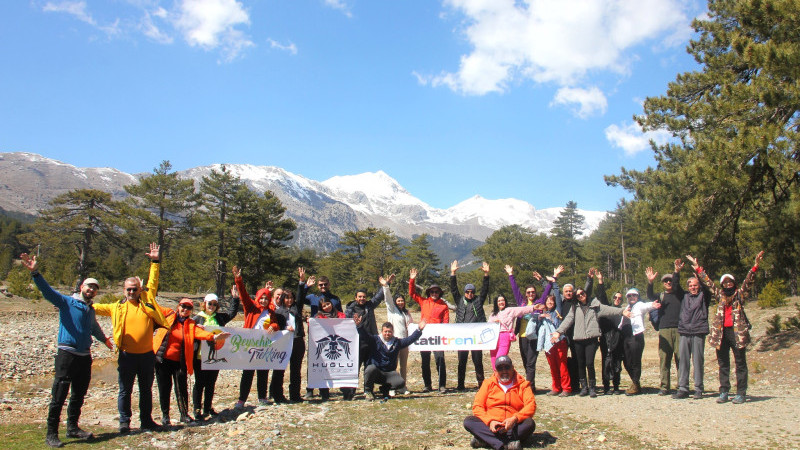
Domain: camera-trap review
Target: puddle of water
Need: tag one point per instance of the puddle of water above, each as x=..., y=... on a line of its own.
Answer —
x=104, y=370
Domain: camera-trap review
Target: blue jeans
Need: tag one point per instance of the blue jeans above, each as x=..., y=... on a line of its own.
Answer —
x=131, y=366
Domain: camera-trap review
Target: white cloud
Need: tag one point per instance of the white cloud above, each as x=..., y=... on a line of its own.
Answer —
x=590, y=101
x=340, y=5
x=76, y=9
x=211, y=24
x=148, y=27
x=553, y=41
x=291, y=48
x=631, y=139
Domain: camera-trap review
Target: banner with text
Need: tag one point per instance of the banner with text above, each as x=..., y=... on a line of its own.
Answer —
x=332, y=353
x=456, y=336
x=247, y=349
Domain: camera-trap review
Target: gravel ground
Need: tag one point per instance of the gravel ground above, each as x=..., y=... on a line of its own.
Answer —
x=767, y=420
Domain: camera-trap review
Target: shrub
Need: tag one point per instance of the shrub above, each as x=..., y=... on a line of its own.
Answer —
x=773, y=294
x=107, y=298
x=21, y=284
x=774, y=325
x=793, y=323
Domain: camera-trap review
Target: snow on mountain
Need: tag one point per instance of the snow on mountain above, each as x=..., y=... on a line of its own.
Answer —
x=490, y=213
x=376, y=193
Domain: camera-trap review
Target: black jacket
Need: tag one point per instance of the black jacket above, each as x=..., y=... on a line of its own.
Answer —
x=469, y=311
x=366, y=311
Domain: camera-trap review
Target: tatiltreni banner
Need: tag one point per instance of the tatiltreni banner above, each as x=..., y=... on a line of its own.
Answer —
x=247, y=349
x=332, y=353
x=456, y=336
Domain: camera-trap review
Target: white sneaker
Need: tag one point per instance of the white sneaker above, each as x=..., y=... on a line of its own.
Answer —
x=392, y=393
x=239, y=404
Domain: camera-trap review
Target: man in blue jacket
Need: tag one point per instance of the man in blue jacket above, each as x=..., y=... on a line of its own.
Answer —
x=382, y=363
x=77, y=324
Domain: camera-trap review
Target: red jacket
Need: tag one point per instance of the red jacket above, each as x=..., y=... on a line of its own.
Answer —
x=253, y=310
x=491, y=403
x=433, y=311
x=190, y=332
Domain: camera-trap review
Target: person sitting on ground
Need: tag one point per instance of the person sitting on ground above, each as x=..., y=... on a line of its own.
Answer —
x=503, y=409
x=174, y=349
x=382, y=363
x=77, y=325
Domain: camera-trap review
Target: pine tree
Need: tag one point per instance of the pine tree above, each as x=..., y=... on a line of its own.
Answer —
x=567, y=228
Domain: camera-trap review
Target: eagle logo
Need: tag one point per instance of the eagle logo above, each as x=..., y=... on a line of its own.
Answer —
x=332, y=346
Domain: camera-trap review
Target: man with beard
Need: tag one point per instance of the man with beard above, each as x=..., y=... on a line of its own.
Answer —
x=73, y=365
x=469, y=309
x=502, y=410
x=364, y=310
x=669, y=315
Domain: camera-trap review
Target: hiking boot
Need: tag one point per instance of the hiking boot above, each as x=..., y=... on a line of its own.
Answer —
x=592, y=392
x=565, y=394
x=634, y=389
x=124, y=427
x=584, y=388
x=442, y=390
x=53, y=441
x=553, y=393
x=680, y=394
x=698, y=395
x=75, y=432
x=723, y=397
x=461, y=388
x=427, y=389
x=739, y=399
x=150, y=426
x=477, y=443
x=187, y=420
x=165, y=420
x=514, y=445
x=607, y=391
x=664, y=392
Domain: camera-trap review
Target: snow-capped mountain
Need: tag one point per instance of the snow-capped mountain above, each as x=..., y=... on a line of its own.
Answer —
x=323, y=210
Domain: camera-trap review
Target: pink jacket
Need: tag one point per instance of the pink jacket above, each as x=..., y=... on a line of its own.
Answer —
x=507, y=316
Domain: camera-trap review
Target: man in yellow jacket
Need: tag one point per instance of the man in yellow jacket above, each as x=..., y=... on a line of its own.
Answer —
x=133, y=319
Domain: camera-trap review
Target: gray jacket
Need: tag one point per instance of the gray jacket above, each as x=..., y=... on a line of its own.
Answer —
x=584, y=317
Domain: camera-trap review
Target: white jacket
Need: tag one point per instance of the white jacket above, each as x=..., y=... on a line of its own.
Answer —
x=398, y=319
x=638, y=311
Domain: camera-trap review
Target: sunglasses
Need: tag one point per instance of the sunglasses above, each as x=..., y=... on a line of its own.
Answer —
x=530, y=292
x=212, y=304
x=186, y=307
x=131, y=289
x=469, y=292
x=503, y=367
x=581, y=294
x=667, y=281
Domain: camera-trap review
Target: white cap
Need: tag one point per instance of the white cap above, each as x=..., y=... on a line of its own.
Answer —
x=90, y=281
x=211, y=298
x=632, y=291
x=727, y=275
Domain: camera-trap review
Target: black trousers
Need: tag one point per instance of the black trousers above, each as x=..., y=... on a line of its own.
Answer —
x=633, y=347
x=73, y=371
x=440, y=368
x=612, y=362
x=572, y=362
x=477, y=361
x=246, y=384
x=529, y=353
x=480, y=430
x=205, y=382
x=141, y=367
x=388, y=380
x=585, y=351
x=727, y=346
x=276, y=386
x=295, y=367
x=171, y=373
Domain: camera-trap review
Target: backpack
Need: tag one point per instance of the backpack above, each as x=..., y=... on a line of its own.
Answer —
x=655, y=314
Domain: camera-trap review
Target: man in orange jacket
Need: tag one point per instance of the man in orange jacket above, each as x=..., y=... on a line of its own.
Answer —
x=503, y=409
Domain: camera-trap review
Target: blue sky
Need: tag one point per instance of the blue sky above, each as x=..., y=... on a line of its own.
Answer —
x=501, y=98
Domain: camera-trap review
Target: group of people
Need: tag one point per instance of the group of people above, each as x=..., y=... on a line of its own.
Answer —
x=565, y=322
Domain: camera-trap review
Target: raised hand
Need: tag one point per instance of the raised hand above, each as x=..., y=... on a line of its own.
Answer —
x=557, y=271
x=693, y=262
x=357, y=319
x=599, y=276
x=678, y=265
x=237, y=272
x=312, y=280
x=29, y=261
x=759, y=257
x=485, y=268
x=301, y=272
x=391, y=278
x=382, y=281
x=234, y=291
x=454, y=267
x=651, y=274
x=509, y=270
x=412, y=274
x=153, y=253
x=591, y=272
x=537, y=276
x=268, y=285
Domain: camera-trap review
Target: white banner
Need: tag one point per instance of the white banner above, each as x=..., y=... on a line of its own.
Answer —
x=247, y=349
x=456, y=336
x=332, y=353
